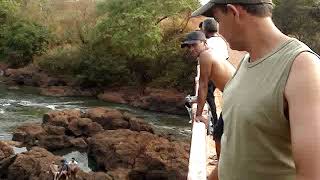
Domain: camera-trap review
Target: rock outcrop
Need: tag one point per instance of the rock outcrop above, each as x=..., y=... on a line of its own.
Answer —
x=132, y=155
x=35, y=165
x=5, y=150
x=121, y=145
x=71, y=128
x=50, y=86
x=159, y=100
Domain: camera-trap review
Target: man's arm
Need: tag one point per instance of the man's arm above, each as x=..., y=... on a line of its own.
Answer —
x=302, y=93
x=214, y=174
x=205, y=62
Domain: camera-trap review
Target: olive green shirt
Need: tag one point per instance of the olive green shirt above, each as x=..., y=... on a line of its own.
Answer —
x=256, y=144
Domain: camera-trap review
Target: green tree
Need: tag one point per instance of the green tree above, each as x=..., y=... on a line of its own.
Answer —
x=22, y=40
x=7, y=11
x=134, y=26
x=300, y=19
x=136, y=30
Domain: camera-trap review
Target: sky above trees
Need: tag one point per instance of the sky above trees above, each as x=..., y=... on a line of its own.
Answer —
x=203, y=1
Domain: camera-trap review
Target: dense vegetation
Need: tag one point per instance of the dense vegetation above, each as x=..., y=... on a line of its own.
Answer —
x=120, y=42
x=300, y=19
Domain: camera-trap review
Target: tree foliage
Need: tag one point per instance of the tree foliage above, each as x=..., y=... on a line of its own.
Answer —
x=20, y=39
x=121, y=42
x=142, y=36
x=7, y=11
x=134, y=26
x=299, y=18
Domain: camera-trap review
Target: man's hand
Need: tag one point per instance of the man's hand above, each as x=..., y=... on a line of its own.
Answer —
x=201, y=119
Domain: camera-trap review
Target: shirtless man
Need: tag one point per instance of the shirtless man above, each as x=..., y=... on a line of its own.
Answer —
x=54, y=169
x=213, y=66
x=74, y=168
x=219, y=45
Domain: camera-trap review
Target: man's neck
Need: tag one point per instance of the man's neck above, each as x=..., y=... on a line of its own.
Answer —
x=263, y=38
x=210, y=35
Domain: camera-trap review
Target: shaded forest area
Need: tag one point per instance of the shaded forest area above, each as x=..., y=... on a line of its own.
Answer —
x=119, y=42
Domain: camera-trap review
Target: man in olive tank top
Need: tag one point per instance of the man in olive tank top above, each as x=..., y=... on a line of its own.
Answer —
x=271, y=105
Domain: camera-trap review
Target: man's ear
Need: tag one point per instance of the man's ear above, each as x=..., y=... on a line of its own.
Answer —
x=234, y=10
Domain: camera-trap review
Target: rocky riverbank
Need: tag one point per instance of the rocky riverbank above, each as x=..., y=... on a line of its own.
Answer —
x=158, y=100
x=121, y=145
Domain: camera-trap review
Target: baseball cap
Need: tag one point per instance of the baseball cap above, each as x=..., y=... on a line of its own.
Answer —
x=193, y=37
x=205, y=9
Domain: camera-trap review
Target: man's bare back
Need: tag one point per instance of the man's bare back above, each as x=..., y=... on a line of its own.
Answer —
x=221, y=70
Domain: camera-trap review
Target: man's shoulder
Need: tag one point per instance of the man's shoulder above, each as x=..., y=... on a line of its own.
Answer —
x=207, y=55
x=211, y=55
x=306, y=59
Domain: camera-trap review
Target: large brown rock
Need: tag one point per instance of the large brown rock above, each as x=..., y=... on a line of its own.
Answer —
x=32, y=76
x=4, y=165
x=79, y=143
x=94, y=176
x=160, y=100
x=61, y=118
x=108, y=118
x=28, y=133
x=54, y=130
x=59, y=91
x=54, y=142
x=140, y=155
x=84, y=127
x=5, y=150
x=137, y=124
x=33, y=164
x=70, y=128
x=47, y=136
x=24, y=76
x=115, y=97
x=114, y=119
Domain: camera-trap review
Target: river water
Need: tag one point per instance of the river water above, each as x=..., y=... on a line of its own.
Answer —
x=25, y=105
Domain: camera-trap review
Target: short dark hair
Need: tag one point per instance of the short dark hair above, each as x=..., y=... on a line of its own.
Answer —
x=210, y=25
x=260, y=10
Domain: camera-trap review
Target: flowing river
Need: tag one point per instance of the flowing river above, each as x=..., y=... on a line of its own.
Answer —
x=25, y=105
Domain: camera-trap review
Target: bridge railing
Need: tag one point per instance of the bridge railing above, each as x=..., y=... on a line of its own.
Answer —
x=198, y=151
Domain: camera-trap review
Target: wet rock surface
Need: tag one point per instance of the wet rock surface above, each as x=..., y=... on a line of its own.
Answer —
x=121, y=145
x=159, y=100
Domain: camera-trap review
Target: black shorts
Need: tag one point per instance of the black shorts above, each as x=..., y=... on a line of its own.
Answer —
x=218, y=129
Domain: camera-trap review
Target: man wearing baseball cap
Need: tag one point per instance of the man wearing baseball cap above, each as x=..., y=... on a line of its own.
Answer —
x=271, y=105
x=213, y=66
